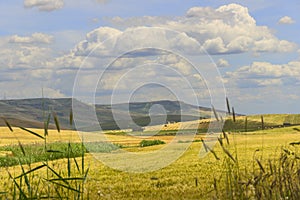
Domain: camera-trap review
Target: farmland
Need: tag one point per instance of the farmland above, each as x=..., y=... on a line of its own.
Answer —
x=189, y=177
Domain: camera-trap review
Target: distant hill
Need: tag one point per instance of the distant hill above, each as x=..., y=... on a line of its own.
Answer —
x=30, y=112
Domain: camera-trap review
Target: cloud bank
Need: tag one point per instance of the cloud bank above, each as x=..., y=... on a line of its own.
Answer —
x=30, y=61
x=229, y=29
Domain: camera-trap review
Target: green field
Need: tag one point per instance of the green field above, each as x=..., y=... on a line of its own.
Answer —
x=254, y=165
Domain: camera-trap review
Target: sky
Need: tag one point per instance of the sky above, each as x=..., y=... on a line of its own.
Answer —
x=113, y=51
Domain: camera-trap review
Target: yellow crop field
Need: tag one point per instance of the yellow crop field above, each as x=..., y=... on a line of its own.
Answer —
x=12, y=138
x=189, y=177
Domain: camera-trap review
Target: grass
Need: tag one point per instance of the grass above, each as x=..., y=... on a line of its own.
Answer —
x=237, y=125
x=150, y=133
x=35, y=153
x=26, y=185
x=179, y=179
x=267, y=175
x=252, y=165
x=257, y=164
x=11, y=138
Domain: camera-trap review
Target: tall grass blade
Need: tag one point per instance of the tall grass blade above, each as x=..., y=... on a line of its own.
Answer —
x=46, y=125
x=260, y=166
x=215, y=187
x=14, y=191
x=8, y=125
x=86, y=174
x=22, y=194
x=233, y=114
x=246, y=124
x=215, y=155
x=296, y=129
x=270, y=166
x=36, y=193
x=21, y=186
x=220, y=141
x=30, y=171
x=228, y=106
x=204, y=145
x=68, y=179
x=78, y=195
x=55, y=118
x=71, y=117
x=59, y=176
x=33, y=133
x=26, y=179
x=65, y=186
x=58, y=193
x=53, y=151
x=22, y=148
x=294, y=143
x=82, y=156
x=228, y=154
x=69, y=162
x=207, y=149
x=262, y=123
x=226, y=137
x=215, y=113
x=76, y=163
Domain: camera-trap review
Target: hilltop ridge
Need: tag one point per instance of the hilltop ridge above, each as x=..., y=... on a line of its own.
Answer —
x=31, y=112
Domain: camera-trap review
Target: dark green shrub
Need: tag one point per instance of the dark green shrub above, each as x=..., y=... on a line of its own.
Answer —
x=146, y=143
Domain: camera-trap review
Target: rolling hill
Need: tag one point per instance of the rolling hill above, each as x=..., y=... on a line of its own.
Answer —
x=32, y=112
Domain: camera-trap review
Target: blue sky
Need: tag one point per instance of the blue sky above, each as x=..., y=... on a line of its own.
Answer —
x=254, y=45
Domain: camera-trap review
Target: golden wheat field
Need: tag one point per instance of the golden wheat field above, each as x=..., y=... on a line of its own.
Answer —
x=189, y=177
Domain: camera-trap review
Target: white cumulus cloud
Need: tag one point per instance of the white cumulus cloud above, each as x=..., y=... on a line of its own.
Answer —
x=229, y=29
x=265, y=74
x=34, y=38
x=226, y=30
x=24, y=57
x=222, y=63
x=44, y=5
x=286, y=20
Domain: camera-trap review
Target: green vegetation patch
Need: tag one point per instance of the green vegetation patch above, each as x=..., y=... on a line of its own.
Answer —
x=101, y=147
x=27, y=154
x=146, y=143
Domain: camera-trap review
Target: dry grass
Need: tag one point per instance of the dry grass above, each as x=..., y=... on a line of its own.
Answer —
x=187, y=178
x=274, y=118
x=11, y=138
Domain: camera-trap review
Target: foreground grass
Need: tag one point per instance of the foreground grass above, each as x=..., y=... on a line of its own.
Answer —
x=190, y=177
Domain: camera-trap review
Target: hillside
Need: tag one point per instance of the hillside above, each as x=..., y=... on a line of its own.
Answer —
x=254, y=123
x=30, y=112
